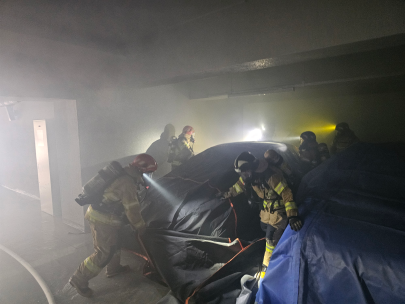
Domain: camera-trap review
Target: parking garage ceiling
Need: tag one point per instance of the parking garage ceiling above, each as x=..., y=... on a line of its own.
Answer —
x=114, y=26
x=139, y=43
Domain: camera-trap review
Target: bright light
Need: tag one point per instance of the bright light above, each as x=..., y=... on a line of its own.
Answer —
x=327, y=128
x=323, y=129
x=289, y=138
x=254, y=135
x=169, y=197
x=263, y=128
x=281, y=147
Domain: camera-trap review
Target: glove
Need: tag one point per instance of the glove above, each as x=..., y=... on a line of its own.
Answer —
x=295, y=223
x=223, y=195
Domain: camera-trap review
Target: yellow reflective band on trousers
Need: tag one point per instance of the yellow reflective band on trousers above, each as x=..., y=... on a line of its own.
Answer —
x=290, y=205
x=269, y=248
x=279, y=188
x=88, y=263
x=108, y=219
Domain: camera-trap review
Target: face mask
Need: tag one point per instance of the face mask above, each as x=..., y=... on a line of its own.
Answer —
x=146, y=177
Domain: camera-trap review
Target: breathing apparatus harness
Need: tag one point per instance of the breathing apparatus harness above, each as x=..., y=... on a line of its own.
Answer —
x=275, y=203
x=173, y=154
x=93, y=190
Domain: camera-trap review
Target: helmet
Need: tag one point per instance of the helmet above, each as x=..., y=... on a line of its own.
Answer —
x=342, y=127
x=145, y=163
x=188, y=130
x=322, y=147
x=308, y=136
x=273, y=157
x=246, y=161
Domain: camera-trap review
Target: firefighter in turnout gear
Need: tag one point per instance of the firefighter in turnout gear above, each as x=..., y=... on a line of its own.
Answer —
x=276, y=160
x=119, y=204
x=235, y=190
x=344, y=138
x=181, y=149
x=308, y=150
x=278, y=207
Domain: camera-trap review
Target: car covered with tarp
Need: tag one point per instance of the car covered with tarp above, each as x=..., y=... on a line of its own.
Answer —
x=200, y=244
x=351, y=249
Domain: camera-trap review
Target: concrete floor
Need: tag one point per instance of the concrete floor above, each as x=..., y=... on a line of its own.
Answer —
x=55, y=250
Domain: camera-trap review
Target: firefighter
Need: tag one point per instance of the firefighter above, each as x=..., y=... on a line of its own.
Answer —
x=308, y=150
x=119, y=202
x=278, y=207
x=181, y=149
x=276, y=160
x=323, y=152
x=343, y=139
x=159, y=150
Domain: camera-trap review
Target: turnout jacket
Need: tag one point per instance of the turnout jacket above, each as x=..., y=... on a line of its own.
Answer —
x=276, y=194
x=119, y=201
x=181, y=151
x=343, y=141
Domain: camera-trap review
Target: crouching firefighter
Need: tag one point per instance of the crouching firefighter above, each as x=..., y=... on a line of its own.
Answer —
x=278, y=207
x=116, y=204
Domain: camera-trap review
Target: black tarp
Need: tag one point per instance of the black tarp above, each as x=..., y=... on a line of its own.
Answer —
x=182, y=199
x=197, y=242
x=350, y=250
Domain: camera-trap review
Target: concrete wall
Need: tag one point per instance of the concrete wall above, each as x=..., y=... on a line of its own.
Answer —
x=118, y=123
x=18, y=160
x=46, y=167
x=111, y=124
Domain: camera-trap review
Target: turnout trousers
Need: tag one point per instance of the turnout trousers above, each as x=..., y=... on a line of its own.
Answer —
x=106, y=253
x=274, y=225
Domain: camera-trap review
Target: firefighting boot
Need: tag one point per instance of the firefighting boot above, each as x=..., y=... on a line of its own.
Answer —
x=263, y=272
x=82, y=288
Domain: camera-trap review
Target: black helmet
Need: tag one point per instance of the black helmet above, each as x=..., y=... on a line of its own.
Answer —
x=342, y=127
x=273, y=157
x=308, y=136
x=322, y=147
x=246, y=161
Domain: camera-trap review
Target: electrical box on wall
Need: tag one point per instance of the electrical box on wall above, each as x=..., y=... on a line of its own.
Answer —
x=9, y=107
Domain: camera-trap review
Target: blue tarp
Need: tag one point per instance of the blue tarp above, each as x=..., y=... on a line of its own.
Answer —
x=352, y=246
